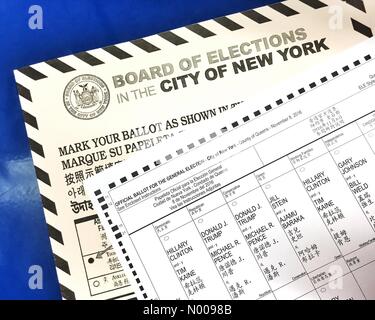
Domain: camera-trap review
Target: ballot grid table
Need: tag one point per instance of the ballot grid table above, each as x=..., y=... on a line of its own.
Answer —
x=271, y=205
x=260, y=238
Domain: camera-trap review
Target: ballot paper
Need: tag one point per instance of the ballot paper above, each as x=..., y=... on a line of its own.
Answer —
x=86, y=112
x=277, y=201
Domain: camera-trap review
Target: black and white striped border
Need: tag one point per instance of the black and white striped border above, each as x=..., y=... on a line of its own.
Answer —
x=145, y=45
x=174, y=39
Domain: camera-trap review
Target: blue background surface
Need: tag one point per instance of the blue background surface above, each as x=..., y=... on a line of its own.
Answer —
x=68, y=26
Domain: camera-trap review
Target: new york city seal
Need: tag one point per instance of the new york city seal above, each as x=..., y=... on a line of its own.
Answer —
x=86, y=97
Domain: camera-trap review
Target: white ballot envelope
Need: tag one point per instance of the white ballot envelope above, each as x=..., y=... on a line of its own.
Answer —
x=87, y=112
x=274, y=201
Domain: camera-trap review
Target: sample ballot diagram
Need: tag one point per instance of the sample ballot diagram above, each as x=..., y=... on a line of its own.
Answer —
x=103, y=269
